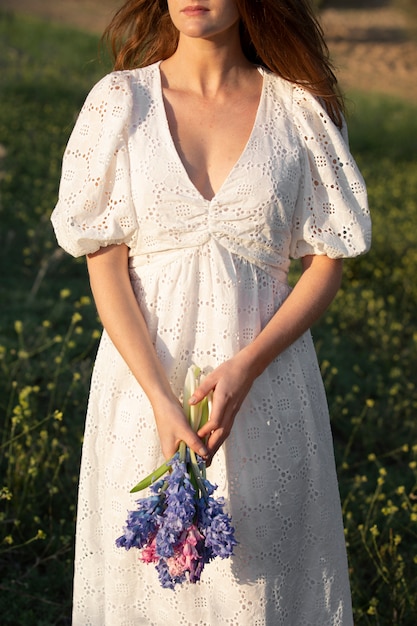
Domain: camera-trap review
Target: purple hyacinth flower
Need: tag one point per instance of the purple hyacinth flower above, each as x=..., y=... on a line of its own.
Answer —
x=179, y=510
x=216, y=526
x=140, y=524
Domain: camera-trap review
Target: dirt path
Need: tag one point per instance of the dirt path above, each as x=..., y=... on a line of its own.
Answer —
x=89, y=15
x=373, y=50
x=369, y=45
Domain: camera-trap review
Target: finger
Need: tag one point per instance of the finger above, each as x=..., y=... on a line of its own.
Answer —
x=206, y=430
x=217, y=419
x=170, y=442
x=215, y=441
x=193, y=441
x=202, y=390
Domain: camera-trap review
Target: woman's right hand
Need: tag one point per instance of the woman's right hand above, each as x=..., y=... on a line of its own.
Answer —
x=121, y=316
x=173, y=427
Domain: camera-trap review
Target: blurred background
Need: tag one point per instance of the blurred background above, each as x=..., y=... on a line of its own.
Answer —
x=49, y=60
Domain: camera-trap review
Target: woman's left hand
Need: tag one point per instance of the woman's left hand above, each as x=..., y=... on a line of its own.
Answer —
x=231, y=381
x=230, y=384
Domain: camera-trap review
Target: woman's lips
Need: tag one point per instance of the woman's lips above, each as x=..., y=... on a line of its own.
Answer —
x=194, y=10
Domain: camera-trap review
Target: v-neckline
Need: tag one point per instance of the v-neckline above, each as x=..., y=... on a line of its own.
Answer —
x=173, y=147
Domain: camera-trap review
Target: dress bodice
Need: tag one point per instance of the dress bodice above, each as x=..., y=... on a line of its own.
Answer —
x=295, y=189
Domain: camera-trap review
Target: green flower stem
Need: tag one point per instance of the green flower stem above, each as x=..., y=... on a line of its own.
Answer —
x=197, y=474
x=205, y=411
x=182, y=451
x=197, y=416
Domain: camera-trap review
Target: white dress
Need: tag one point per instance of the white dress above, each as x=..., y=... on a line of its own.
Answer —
x=208, y=276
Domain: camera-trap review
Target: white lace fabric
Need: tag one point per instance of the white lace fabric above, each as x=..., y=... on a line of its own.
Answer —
x=208, y=275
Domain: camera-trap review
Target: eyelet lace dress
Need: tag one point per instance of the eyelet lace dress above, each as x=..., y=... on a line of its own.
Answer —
x=208, y=275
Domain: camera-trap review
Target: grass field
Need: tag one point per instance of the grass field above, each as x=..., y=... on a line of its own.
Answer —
x=48, y=335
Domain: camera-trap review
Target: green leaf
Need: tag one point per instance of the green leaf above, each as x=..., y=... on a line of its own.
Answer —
x=147, y=482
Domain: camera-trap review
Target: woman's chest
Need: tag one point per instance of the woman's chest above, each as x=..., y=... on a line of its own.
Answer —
x=257, y=182
x=210, y=136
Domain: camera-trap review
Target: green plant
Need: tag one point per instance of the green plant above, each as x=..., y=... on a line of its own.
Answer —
x=48, y=335
x=48, y=326
x=409, y=9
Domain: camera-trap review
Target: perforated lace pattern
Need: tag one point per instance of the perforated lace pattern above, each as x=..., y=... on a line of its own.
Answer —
x=208, y=276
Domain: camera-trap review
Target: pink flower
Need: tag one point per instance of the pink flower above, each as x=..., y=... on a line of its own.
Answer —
x=148, y=552
x=186, y=554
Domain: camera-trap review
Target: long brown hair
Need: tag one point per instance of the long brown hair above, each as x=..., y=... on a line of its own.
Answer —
x=284, y=36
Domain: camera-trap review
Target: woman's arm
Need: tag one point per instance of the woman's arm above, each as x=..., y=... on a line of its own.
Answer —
x=121, y=317
x=232, y=380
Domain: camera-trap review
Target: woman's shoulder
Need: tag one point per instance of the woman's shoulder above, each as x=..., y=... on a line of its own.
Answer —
x=119, y=85
x=118, y=100
x=297, y=103
x=292, y=96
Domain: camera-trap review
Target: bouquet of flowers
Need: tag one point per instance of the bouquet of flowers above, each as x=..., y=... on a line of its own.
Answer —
x=180, y=527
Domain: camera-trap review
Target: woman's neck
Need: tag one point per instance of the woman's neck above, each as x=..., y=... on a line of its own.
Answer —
x=206, y=67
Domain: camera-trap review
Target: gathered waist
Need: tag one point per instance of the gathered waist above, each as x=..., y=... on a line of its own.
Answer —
x=209, y=254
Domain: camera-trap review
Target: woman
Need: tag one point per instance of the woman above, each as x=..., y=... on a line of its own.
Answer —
x=189, y=182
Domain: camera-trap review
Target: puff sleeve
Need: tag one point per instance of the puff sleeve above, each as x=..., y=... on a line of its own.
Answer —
x=331, y=215
x=95, y=207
